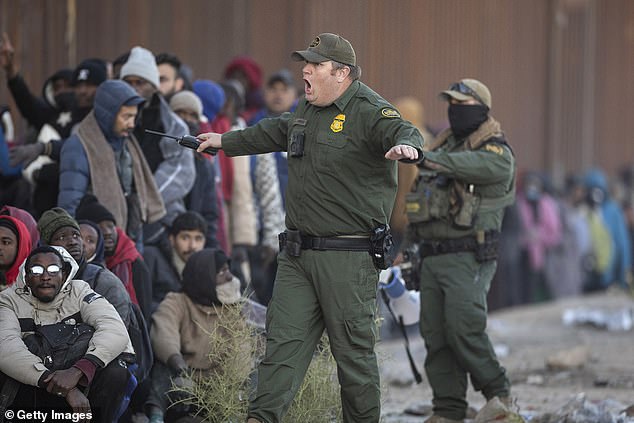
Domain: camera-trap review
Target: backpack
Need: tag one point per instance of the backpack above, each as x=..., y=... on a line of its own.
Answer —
x=140, y=338
x=60, y=345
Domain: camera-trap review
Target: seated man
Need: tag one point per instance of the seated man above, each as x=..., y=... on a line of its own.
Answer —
x=26, y=218
x=183, y=323
x=93, y=242
x=166, y=261
x=121, y=255
x=45, y=297
x=58, y=228
x=15, y=245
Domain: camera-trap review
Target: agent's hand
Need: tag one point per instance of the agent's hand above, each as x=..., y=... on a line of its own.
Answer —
x=61, y=382
x=25, y=154
x=399, y=152
x=78, y=402
x=209, y=139
x=6, y=56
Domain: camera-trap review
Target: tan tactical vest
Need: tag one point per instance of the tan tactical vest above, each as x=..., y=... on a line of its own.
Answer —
x=436, y=197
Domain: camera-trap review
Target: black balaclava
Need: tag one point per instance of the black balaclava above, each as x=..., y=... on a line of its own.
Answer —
x=466, y=118
x=199, y=276
x=65, y=100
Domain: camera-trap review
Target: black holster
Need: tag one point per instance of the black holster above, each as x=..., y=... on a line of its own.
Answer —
x=410, y=267
x=382, y=247
x=291, y=241
x=487, y=246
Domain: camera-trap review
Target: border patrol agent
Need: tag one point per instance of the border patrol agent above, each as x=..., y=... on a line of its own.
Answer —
x=467, y=178
x=340, y=195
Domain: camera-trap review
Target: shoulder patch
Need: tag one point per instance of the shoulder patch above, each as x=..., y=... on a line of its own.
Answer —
x=91, y=297
x=388, y=112
x=494, y=149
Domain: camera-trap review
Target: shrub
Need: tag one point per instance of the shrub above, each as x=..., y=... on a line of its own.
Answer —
x=222, y=395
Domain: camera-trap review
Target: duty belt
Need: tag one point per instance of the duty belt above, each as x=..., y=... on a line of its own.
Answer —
x=484, y=245
x=329, y=243
x=447, y=246
x=335, y=243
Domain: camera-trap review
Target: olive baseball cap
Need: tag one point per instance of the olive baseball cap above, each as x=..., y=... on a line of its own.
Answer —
x=326, y=47
x=466, y=89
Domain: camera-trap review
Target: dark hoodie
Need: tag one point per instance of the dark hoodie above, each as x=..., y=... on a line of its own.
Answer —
x=40, y=111
x=74, y=168
x=110, y=96
x=199, y=276
x=99, y=258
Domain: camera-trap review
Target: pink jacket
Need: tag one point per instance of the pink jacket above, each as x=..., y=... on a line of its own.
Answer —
x=539, y=235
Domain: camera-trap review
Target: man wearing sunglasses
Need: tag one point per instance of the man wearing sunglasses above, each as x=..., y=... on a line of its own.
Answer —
x=46, y=299
x=58, y=228
x=467, y=178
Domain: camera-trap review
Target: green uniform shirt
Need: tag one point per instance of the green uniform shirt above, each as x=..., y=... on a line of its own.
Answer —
x=491, y=169
x=343, y=184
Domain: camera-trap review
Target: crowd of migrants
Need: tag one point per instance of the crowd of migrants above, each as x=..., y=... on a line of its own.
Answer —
x=165, y=235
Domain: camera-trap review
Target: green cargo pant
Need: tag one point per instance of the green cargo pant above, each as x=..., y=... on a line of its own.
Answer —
x=335, y=290
x=453, y=317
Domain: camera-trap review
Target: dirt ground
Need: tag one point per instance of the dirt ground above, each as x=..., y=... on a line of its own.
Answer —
x=527, y=337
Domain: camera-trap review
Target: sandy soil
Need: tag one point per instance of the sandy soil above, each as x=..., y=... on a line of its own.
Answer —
x=530, y=335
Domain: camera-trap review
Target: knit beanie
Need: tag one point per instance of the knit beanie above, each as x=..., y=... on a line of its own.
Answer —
x=91, y=209
x=92, y=71
x=53, y=219
x=212, y=96
x=141, y=63
x=186, y=100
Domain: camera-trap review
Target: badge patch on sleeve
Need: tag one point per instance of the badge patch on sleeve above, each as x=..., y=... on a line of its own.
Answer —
x=91, y=297
x=337, y=124
x=388, y=112
x=494, y=149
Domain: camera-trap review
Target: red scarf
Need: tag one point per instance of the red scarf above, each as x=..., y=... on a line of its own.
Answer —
x=120, y=263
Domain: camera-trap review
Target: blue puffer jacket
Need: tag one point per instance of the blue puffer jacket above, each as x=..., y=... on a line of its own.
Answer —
x=5, y=169
x=74, y=178
x=620, y=262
